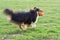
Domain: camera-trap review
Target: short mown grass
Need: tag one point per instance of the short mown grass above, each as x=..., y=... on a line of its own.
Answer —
x=48, y=26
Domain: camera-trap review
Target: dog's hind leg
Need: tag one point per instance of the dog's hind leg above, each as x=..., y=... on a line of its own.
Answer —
x=26, y=26
x=20, y=26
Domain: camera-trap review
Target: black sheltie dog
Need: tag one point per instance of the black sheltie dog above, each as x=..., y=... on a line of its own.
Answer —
x=27, y=18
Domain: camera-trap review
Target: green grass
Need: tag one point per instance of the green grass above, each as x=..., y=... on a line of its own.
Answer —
x=48, y=26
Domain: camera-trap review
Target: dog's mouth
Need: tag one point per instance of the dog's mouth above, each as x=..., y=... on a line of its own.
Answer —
x=41, y=13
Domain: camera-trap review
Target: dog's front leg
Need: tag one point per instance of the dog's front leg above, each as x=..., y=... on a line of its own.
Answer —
x=33, y=25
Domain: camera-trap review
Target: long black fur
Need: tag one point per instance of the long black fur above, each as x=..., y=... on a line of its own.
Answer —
x=22, y=17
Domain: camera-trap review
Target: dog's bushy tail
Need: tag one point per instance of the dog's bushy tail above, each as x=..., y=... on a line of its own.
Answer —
x=8, y=12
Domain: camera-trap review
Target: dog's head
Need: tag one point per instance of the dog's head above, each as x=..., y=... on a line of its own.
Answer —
x=8, y=12
x=40, y=12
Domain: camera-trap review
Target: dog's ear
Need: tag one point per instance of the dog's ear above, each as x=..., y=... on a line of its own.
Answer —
x=35, y=7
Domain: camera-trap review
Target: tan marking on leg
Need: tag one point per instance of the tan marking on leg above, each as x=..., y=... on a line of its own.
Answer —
x=20, y=26
x=26, y=26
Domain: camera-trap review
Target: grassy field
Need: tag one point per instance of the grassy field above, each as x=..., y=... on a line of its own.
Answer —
x=48, y=26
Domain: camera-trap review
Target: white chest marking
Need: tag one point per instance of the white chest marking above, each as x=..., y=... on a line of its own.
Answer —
x=37, y=19
x=34, y=24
